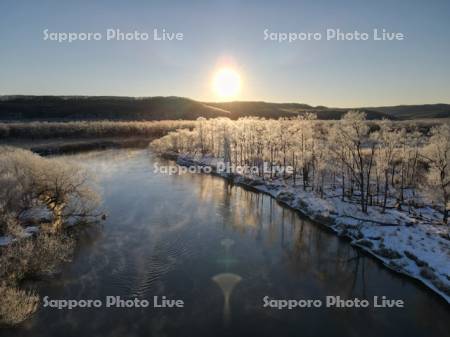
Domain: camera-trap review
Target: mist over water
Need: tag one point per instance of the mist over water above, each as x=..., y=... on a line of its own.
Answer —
x=220, y=249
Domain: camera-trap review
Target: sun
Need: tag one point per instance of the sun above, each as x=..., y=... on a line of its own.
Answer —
x=226, y=83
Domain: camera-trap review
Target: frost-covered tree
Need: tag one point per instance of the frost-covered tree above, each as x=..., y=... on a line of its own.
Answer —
x=356, y=151
x=30, y=183
x=437, y=153
x=387, y=140
x=369, y=160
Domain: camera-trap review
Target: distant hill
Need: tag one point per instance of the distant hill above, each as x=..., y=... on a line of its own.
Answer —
x=103, y=107
x=53, y=108
x=416, y=111
x=276, y=110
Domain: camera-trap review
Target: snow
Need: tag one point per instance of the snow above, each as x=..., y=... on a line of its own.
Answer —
x=31, y=230
x=414, y=244
x=27, y=232
x=6, y=240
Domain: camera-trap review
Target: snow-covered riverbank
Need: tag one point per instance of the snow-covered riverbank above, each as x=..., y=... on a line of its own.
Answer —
x=412, y=243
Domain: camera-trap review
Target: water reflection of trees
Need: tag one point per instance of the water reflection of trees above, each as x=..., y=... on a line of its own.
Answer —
x=306, y=249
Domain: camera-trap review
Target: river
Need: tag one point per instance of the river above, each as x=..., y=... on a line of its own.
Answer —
x=170, y=235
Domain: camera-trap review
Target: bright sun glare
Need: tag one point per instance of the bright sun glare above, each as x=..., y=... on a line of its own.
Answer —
x=226, y=83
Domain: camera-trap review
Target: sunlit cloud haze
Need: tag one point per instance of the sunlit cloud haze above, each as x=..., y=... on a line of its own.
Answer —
x=333, y=73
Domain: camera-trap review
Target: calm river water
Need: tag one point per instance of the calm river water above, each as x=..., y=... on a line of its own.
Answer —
x=170, y=235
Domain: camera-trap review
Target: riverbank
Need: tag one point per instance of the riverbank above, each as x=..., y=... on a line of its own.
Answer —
x=65, y=146
x=42, y=198
x=410, y=243
x=62, y=137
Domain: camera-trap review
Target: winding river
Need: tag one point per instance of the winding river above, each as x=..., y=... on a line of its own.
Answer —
x=170, y=235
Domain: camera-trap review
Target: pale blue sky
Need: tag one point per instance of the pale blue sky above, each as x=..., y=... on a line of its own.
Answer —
x=345, y=74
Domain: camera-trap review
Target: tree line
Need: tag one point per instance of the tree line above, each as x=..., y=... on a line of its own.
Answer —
x=89, y=129
x=381, y=164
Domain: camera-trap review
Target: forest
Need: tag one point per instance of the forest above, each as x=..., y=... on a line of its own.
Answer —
x=381, y=164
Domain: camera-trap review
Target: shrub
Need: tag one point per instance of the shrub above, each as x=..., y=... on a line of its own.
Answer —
x=32, y=183
x=29, y=257
x=17, y=305
x=33, y=257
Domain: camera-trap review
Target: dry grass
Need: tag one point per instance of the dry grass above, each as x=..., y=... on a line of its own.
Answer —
x=50, y=251
x=31, y=257
x=14, y=260
x=34, y=257
x=16, y=305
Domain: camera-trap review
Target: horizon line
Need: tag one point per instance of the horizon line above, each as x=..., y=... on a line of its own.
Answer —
x=222, y=102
